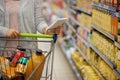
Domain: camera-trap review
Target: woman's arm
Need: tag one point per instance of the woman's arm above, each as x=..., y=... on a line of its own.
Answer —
x=41, y=25
x=3, y=31
x=39, y=19
x=10, y=33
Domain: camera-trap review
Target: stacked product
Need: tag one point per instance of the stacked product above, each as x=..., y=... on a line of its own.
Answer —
x=104, y=69
x=84, y=4
x=105, y=46
x=103, y=19
x=85, y=20
x=86, y=71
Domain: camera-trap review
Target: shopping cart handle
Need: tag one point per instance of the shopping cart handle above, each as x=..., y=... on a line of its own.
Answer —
x=54, y=36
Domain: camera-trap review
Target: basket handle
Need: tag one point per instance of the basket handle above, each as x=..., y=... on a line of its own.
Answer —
x=54, y=36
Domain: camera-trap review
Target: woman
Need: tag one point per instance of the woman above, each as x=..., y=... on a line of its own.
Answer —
x=21, y=16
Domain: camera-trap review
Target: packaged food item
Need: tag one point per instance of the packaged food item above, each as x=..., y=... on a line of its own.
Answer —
x=4, y=63
x=21, y=65
x=10, y=73
x=18, y=54
x=36, y=59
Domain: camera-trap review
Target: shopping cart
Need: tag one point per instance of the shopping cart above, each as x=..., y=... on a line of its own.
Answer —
x=44, y=68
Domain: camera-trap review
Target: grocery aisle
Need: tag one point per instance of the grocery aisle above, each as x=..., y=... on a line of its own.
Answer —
x=91, y=45
x=62, y=69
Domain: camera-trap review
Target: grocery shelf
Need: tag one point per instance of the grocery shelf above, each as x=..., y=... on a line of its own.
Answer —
x=106, y=60
x=78, y=49
x=110, y=8
x=71, y=27
x=84, y=41
x=82, y=10
x=79, y=24
x=107, y=34
x=71, y=63
x=94, y=68
x=102, y=56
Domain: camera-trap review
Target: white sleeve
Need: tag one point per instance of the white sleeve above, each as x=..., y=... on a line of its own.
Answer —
x=3, y=31
x=39, y=19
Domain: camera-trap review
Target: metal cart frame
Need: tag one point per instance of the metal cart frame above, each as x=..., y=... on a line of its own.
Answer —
x=49, y=55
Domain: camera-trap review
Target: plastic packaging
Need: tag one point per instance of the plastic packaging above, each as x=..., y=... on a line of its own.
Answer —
x=19, y=53
x=33, y=62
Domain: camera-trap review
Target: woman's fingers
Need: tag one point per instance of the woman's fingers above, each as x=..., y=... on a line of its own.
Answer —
x=11, y=33
x=55, y=31
x=15, y=34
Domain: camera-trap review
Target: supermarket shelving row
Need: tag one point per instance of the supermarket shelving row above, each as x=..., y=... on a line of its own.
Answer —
x=110, y=8
x=110, y=36
x=75, y=21
x=71, y=27
x=94, y=68
x=113, y=10
x=97, y=51
x=106, y=7
x=102, y=56
x=71, y=64
x=107, y=34
x=82, y=10
x=106, y=60
x=84, y=41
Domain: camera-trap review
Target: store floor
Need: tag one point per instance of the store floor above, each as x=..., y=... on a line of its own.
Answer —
x=62, y=69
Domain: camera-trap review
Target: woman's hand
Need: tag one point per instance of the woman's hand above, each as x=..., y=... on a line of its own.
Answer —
x=11, y=33
x=53, y=31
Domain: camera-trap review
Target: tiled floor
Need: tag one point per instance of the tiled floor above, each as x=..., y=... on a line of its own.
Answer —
x=62, y=69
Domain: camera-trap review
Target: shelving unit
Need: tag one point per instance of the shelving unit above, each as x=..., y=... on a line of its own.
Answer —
x=75, y=10
x=102, y=56
x=88, y=61
x=71, y=27
x=82, y=10
x=84, y=41
x=75, y=21
x=110, y=8
x=98, y=52
x=110, y=36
